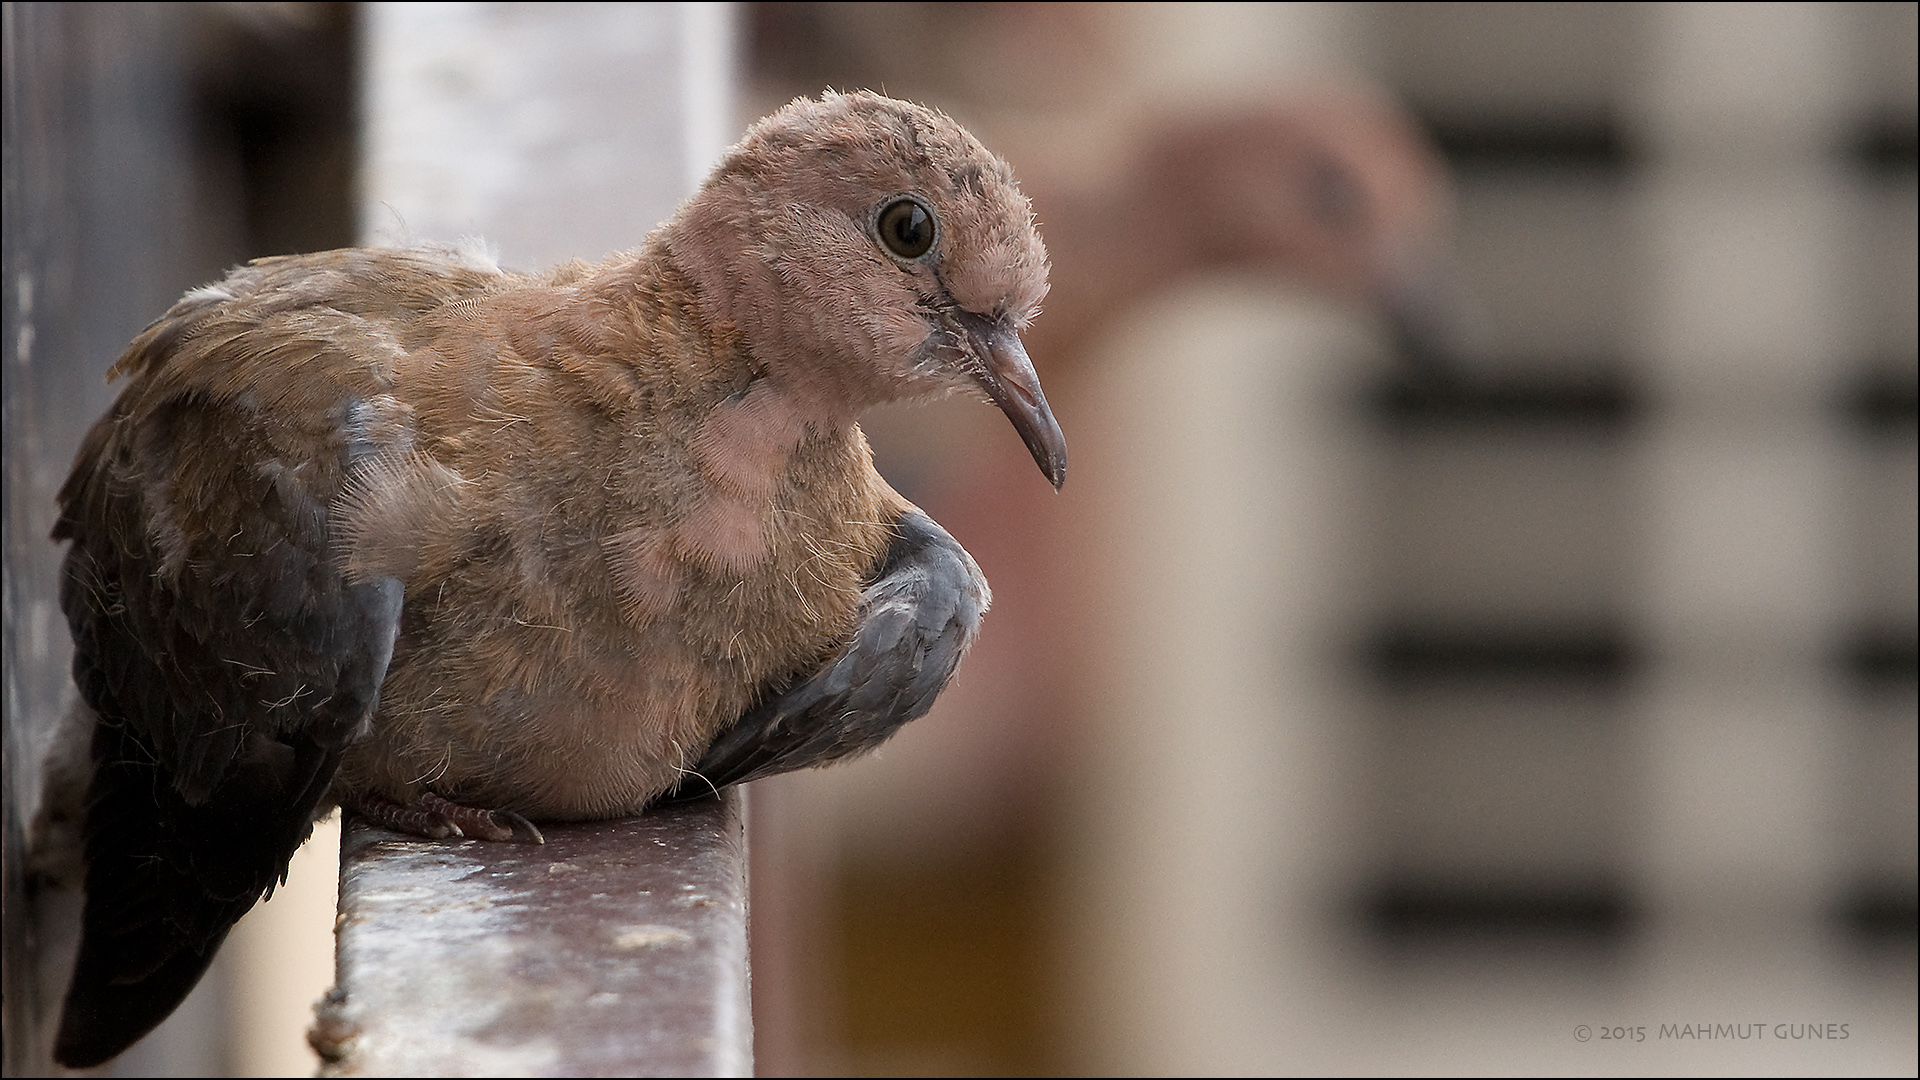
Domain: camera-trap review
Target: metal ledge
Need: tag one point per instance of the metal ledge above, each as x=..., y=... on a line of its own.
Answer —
x=617, y=948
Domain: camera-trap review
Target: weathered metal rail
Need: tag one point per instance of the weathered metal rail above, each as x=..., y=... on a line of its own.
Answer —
x=617, y=948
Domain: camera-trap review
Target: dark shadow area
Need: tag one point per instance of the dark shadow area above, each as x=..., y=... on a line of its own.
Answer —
x=1423, y=652
x=1401, y=913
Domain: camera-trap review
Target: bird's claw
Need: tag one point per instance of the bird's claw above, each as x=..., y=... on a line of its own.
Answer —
x=480, y=824
x=437, y=818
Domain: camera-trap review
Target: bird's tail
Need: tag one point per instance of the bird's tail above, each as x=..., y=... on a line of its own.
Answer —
x=165, y=887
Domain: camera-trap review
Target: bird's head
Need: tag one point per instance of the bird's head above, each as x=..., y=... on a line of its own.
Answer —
x=1335, y=188
x=869, y=250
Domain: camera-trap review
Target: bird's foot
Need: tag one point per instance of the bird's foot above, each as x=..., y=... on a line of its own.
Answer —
x=436, y=818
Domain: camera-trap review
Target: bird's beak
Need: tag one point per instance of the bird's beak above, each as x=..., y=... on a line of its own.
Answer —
x=1008, y=377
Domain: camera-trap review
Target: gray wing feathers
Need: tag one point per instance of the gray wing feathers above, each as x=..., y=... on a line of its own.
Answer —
x=917, y=618
x=229, y=662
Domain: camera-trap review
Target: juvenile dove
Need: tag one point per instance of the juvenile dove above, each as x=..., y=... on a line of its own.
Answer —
x=458, y=548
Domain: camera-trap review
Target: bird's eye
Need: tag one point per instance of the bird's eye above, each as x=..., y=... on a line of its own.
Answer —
x=906, y=227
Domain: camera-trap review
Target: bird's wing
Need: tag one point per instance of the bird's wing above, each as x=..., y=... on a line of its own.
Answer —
x=917, y=618
x=226, y=653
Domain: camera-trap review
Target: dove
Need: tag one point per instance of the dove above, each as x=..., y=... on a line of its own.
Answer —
x=1333, y=189
x=461, y=549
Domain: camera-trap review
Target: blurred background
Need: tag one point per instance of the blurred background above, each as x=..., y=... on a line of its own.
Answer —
x=1481, y=615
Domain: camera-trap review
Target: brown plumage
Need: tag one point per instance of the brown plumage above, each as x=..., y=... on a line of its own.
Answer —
x=458, y=547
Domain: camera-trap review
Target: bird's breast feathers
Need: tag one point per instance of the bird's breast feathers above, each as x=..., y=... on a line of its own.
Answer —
x=567, y=648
